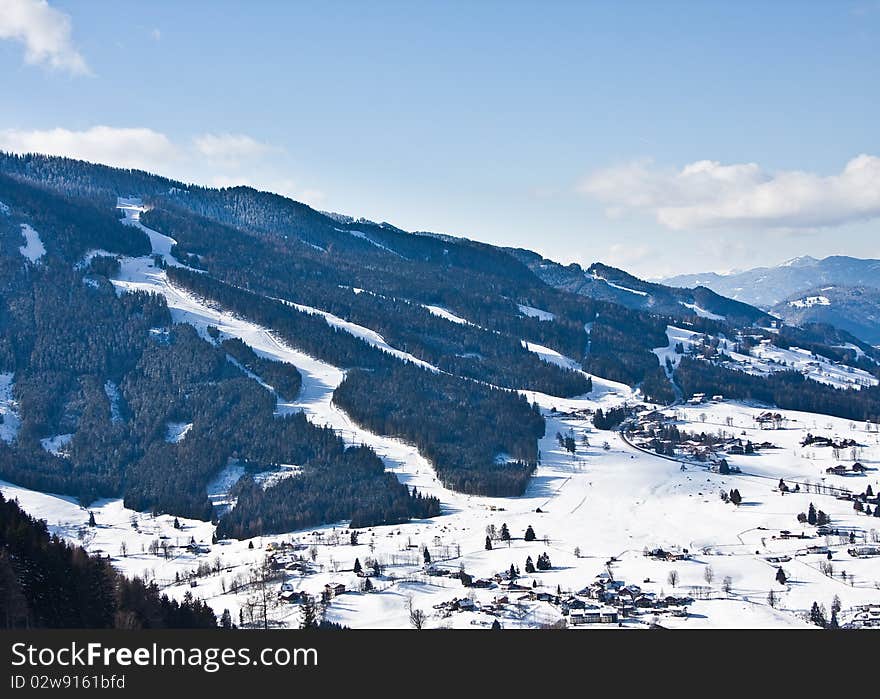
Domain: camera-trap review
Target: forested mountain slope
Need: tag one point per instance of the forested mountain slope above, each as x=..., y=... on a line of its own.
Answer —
x=115, y=380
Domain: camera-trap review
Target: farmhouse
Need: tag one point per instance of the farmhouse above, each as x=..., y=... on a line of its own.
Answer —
x=333, y=589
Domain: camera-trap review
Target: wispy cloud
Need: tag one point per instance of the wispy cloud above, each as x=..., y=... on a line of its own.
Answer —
x=219, y=160
x=707, y=194
x=140, y=148
x=226, y=146
x=45, y=33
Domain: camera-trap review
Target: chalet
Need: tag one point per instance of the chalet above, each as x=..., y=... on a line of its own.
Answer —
x=817, y=549
x=839, y=470
x=777, y=559
x=593, y=615
x=333, y=589
x=465, y=604
x=515, y=587
x=543, y=596
x=697, y=398
x=292, y=596
x=483, y=584
x=864, y=551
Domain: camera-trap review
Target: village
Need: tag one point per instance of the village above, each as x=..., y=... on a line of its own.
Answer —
x=704, y=515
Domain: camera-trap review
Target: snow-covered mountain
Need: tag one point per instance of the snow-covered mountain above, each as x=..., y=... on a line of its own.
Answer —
x=839, y=290
x=767, y=286
x=855, y=309
x=193, y=375
x=608, y=283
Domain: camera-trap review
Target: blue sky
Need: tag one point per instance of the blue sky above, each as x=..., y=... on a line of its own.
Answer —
x=661, y=137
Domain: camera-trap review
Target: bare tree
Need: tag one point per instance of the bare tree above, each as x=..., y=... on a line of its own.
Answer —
x=672, y=578
x=708, y=574
x=417, y=617
x=263, y=598
x=727, y=585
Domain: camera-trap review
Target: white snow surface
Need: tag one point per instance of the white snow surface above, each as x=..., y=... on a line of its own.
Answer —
x=703, y=313
x=33, y=248
x=176, y=431
x=447, y=314
x=55, y=444
x=533, y=312
x=364, y=236
x=371, y=337
x=111, y=390
x=9, y=418
x=810, y=301
x=552, y=356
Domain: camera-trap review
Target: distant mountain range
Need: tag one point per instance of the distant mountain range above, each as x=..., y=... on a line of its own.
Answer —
x=606, y=283
x=840, y=290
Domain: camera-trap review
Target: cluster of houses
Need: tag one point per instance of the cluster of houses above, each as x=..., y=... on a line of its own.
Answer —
x=288, y=593
x=769, y=420
x=856, y=469
x=812, y=440
x=651, y=431
x=603, y=601
x=699, y=398
x=866, y=617
x=674, y=553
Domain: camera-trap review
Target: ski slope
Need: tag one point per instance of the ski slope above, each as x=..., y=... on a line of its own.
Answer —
x=595, y=511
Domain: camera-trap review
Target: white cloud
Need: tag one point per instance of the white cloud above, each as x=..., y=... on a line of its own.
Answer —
x=121, y=147
x=707, y=194
x=226, y=146
x=216, y=160
x=45, y=33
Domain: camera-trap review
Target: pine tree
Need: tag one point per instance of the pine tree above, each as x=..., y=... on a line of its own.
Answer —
x=817, y=616
x=488, y=544
x=530, y=567
x=309, y=612
x=505, y=532
x=92, y=522
x=833, y=624
x=427, y=555
x=226, y=619
x=357, y=565
x=780, y=576
x=811, y=514
x=530, y=534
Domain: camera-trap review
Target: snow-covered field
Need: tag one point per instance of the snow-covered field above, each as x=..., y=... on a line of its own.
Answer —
x=594, y=512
